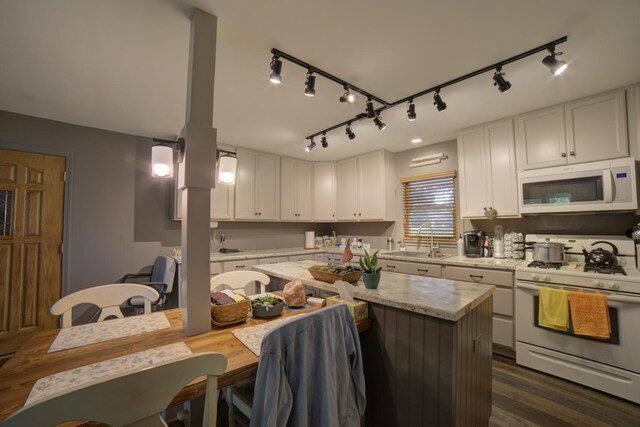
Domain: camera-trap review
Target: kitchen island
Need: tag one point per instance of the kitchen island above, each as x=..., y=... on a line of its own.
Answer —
x=427, y=359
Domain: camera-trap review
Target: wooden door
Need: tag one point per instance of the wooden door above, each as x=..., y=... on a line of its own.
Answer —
x=268, y=187
x=288, y=210
x=245, y=206
x=31, y=212
x=371, y=186
x=324, y=191
x=348, y=190
x=304, y=190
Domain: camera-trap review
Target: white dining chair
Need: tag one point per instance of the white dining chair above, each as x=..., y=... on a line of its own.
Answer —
x=129, y=399
x=238, y=281
x=107, y=297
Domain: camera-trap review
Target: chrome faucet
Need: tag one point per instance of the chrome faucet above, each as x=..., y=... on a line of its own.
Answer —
x=432, y=249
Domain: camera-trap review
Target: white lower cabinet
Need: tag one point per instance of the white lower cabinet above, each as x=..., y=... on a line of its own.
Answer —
x=415, y=268
x=244, y=264
x=273, y=260
x=503, y=298
x=216, y=268
x=302, y=257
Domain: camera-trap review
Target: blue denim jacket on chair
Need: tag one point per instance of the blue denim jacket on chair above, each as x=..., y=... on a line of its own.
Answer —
x=310, y=373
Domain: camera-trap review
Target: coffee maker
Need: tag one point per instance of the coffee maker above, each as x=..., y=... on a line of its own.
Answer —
x=473, y=243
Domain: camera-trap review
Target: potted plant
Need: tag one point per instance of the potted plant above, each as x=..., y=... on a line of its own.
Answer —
x=267, y=306
x=370, y=269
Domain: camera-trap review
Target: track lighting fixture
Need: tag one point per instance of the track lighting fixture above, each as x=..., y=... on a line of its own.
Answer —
x=310, y=146
x=324, y=141
x=348, y=96
x=499, y=80
x=276, y=68
x=310, y=89
x=349, y=132
x=411, y=111
x=378, y=121
x=557, y=66
x=438, y=102
x=371, y=113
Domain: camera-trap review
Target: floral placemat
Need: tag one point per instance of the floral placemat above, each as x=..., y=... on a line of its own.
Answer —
x=81, y=335
x=252, y=336
x=131, y=362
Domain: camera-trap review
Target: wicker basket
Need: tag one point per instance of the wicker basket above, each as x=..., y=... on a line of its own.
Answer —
x=325, y=276
x=229, y=314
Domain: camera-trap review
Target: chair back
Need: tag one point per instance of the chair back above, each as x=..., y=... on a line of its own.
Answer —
x=107, y=297
x=164, y=271
x=134, y=398
x=238, y=280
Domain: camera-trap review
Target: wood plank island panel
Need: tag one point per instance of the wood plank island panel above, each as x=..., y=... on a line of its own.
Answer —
x=425, y=371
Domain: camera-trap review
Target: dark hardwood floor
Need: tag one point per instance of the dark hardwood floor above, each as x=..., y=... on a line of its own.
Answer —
x=525, y=397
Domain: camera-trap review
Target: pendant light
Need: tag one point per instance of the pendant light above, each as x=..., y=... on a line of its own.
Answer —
x=227, y=165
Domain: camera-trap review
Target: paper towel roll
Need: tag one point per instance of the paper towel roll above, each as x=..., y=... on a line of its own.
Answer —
x=309, y=239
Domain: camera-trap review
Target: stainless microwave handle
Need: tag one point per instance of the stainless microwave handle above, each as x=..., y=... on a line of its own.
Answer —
x=607, y=185
x=610, y=297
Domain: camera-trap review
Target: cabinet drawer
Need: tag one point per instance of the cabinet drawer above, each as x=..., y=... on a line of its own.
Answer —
x=503, y=302
x=318, y=257
x=336, y=258
x=244, y=264
x=273, y=260
x=303, y=257
x=479, y=275
x=215, y=268
x=503, y=332
x=417, y=268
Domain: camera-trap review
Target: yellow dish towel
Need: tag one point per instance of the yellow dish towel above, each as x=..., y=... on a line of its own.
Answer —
x=553, y=309
x=590, y=314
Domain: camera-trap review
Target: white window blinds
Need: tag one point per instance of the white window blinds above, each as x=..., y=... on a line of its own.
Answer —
x=430, y=200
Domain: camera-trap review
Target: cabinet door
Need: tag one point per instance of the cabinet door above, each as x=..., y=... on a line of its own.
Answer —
x=304, y=190
x=222, y=202
x=348, y=189
x=501, y=156
x=245, y=207
x=371, y=186
x=324, y=191
x=597, y=128
x=288, y=191
x=268, y=187
x=540, y=139
x=473, y=185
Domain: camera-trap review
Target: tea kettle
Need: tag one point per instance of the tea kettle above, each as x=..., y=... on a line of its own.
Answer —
x=601, y=257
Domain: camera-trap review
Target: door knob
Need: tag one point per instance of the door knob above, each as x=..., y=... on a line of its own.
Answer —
x=564, y=154
x=572, y=153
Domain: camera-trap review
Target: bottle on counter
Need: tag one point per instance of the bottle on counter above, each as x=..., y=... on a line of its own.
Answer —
x=460, y=245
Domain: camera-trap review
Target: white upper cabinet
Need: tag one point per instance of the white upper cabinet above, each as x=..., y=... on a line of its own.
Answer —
x=221, y=205
x=257, y=192
x=296, y=201
x=488, y=172
x=587, y=130
x=324, y=191
x=597, y=128
x=366, y=187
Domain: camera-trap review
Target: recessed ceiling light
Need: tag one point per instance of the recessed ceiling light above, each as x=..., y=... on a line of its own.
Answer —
x=416, y=140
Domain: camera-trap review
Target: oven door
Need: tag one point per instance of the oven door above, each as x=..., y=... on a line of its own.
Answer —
x=621, y=351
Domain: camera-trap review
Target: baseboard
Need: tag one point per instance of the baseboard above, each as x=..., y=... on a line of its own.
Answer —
x=504, y=351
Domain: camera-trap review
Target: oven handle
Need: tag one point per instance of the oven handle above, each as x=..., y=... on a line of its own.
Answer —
x=610, y=297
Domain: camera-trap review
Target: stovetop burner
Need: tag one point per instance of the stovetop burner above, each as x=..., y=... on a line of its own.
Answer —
x=546, y=265
x=616, y=269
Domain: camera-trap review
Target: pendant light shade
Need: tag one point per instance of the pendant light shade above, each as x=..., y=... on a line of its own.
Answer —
x=162, y=161
x=227, y=164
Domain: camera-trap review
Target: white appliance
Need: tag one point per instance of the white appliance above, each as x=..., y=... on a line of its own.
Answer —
x=612, y=365
x=609, y=185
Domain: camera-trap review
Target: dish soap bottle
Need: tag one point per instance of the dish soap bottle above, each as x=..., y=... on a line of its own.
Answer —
x=460, y=245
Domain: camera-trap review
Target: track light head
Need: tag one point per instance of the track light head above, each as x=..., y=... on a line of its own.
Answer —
x=370, y=111
x=310, y=146
x=324, y=141
x=378, y=121
x=348, y=96
x=438, y=102
x=499, y=81
x=276, y=68
x=556, y=66
x=411, y=111
x=349, y=132
x=310, y=84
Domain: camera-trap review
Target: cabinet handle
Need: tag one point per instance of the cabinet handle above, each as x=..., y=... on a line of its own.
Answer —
x=572, y=153
x=564, y=154
x=354, y=214
x=255, y=213
x=391, y=266
x=360, y=214
x=474, y=276
x=423, y=271
x=240, y=266
x=259, y=213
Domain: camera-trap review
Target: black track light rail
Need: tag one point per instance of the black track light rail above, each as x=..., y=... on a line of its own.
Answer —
x=386, y=106
x=281, y=54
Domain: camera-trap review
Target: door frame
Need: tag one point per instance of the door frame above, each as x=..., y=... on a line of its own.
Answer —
x=68, y=155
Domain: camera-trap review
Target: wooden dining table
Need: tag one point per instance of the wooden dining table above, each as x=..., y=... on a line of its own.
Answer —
x=32, y=362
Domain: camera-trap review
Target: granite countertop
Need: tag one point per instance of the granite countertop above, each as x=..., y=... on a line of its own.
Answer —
x=442, y=298
x=260, y=253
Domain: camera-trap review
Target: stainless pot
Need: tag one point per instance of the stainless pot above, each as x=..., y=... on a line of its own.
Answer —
x=548, y=252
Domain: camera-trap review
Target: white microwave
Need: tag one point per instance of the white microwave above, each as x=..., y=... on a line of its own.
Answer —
x=609, y=185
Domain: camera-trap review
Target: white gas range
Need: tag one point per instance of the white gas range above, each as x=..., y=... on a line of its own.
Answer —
x=609, y=365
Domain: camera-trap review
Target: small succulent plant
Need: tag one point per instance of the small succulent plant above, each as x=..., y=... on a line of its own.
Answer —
x=369, y=263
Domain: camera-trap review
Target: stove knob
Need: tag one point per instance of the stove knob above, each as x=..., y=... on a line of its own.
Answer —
x=613, y=285
x=535, y=277
x=546, y=278
x=597, y=284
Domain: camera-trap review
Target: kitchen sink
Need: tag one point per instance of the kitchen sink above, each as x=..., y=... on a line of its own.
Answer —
x=413, y=254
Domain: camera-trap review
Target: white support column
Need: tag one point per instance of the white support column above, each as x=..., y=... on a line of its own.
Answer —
x=199, y=175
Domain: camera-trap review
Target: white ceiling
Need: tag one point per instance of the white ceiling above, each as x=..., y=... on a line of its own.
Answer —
x=122, y=65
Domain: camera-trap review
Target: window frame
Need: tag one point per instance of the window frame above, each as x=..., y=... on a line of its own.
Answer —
x=405, y=214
